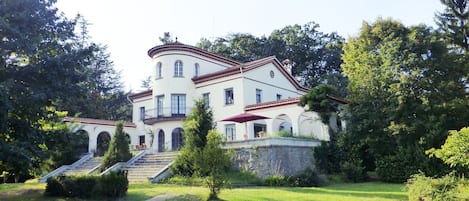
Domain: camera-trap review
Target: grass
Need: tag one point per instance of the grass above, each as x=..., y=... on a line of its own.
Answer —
x=234, y=178
x=371, y=191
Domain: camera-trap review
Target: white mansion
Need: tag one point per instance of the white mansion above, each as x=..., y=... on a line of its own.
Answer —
x=183, y=73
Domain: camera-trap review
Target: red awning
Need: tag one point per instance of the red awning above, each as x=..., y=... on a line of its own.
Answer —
x=245, y=117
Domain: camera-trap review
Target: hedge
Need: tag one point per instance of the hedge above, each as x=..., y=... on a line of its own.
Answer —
x=86, y=186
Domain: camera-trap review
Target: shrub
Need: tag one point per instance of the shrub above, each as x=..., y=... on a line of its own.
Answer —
x=84, y=185
x=111, y=185
x=446, y=188
x=76, y=186
x=276, y=180
x=54, y=187
x=284, y=133
x=404, y=163
x=118, y=150
x=114, y=184
x=327, y=157
x=353, y=171
x=308, y=178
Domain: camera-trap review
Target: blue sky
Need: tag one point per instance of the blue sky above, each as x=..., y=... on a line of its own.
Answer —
x=129, y=28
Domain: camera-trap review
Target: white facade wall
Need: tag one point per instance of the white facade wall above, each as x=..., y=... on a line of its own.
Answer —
x=167, y=127
x=168, y=84
x=260, y=78
x=217, y=88
x=146, y=102
x=268, y=78
x=93, y=130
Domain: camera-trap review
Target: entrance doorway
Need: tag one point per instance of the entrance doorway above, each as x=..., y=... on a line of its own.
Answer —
x=161, y=141
x=102, y=143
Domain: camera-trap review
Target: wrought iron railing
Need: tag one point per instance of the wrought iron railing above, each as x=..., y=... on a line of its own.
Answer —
x=166, y=113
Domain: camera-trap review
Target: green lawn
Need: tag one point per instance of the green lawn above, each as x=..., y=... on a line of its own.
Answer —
x=359, y=191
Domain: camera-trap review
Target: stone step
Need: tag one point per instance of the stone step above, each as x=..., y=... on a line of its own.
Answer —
x=149, y=163
x=85, y=167
x=147, y=166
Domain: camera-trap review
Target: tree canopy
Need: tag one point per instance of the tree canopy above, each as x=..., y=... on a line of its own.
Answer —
x=44, y=67
x=407, y=91
x=315, y=55
x=453, y=21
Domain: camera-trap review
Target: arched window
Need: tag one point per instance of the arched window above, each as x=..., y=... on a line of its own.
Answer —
x=196, y=69
x=178, y=68
x=161, y=141
x=159, y=67
x=103, y=143
x=177, y=140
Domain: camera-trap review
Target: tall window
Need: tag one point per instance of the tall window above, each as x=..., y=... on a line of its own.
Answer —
x=178, y=68
x=142, y=113
x=178, y=104
x=258, y=96
x=206, y=97
x=196, y=69
x=279, y=96
x=159, y=105
x=159, y=67
x=230, y=132
x=229, y=96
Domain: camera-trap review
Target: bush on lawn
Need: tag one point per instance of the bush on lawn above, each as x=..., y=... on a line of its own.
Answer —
x=54, y=186
x=353, y=171
x=276, y=180
x=446, y=188
x=111, y=185
x=308, y=178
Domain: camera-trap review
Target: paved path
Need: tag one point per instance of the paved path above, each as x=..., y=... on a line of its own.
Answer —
x=162, y=197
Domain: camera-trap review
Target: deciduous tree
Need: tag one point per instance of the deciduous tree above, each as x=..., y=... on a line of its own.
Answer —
x=40, y=62
x=407, y=90
x=315, y=55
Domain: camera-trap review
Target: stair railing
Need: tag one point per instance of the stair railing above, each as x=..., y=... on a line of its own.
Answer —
x=65, y=168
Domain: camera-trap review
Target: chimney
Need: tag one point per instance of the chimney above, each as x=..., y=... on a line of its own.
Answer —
x=287, y=65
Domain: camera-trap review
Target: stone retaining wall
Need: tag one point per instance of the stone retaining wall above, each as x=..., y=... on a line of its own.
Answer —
x=273, y=156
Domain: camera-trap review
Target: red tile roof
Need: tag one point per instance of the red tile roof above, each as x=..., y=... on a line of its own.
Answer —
x=141, y=94
x=287, y=101
x=97, y=121
x=272, y=104
x=177, y=46
x=247, y=67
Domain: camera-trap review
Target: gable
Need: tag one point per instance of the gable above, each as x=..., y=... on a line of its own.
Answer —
x=273, y=75
x=266, y=64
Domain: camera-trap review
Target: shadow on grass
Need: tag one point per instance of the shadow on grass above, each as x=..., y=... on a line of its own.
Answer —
x=186, y=197
x=366, y=190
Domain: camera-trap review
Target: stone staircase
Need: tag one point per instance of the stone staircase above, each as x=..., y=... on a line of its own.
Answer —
x=85, y=167
x=147, y=166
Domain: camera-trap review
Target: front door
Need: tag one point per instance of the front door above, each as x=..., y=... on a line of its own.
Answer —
x=161, y=141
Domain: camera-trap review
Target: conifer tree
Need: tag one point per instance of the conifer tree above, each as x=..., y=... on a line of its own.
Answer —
x=118, y=150
x=453, y=21
x=196, y=128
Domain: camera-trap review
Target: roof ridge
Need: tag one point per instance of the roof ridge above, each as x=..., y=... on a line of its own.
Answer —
x=97, y=121
x=181, y=46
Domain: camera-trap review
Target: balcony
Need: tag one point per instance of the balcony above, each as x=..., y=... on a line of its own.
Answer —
x=153, y=116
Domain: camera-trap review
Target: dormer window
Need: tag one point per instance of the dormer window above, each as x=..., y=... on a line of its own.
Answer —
x=159, y=67
x=196, y=69
x=178, y=68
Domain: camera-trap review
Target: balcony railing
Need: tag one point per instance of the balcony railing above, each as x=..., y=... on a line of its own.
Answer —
x=156, y=115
